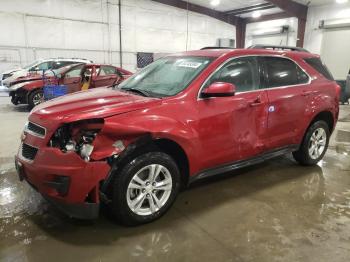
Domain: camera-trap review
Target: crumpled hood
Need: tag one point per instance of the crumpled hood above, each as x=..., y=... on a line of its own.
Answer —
x=15, y=75
x=11, y=70
x=95, y=103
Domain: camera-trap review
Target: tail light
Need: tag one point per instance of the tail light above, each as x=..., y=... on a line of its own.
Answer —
x=338, y=91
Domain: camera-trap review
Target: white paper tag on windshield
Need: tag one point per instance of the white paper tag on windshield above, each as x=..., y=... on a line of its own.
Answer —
x=190, y=64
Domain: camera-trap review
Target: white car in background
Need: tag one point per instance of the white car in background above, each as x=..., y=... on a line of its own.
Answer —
x=37, y=66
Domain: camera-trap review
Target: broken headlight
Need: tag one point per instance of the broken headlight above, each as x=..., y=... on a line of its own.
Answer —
x=77, y=137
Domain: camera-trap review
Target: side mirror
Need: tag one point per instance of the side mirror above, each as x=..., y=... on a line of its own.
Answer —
x=219, y=89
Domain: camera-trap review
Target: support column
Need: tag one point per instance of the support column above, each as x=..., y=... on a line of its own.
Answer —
x=240, y=33
x=301, y=32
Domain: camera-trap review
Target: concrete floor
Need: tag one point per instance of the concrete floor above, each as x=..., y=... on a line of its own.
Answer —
x=276, y=211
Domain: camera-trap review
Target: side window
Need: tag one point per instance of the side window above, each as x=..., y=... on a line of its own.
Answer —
x=242, y=72
x=59, y=64
x=284, y=72
x=107, y=70
x=42, y=66
x=75, y=72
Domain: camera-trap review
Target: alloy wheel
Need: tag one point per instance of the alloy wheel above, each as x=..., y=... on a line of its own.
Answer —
x=149, y=189
x=38, y=98
x=317, y=143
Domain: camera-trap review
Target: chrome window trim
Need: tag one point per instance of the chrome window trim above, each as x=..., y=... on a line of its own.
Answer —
x=262, y=89
x=33, y=133
x=24, y=158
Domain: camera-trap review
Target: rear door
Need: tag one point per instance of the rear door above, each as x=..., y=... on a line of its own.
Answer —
x=73, y=78
x=106, y=76
x=287, y=88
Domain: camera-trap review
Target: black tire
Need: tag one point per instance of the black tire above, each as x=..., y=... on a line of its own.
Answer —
x=120, y=207
x=32, y=96
x=302, y=156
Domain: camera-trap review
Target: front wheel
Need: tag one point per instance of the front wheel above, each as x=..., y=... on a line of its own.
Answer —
x=314, y=145
x=145, y=188
x=35, y=98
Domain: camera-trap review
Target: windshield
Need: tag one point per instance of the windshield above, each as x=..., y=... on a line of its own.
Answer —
x=167, y=76
x=31, y=64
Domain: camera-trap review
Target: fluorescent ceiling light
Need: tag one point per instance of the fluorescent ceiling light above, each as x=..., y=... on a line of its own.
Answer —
x=341, y=1
x=268, y=31
x=215, y=2
x=256, y=14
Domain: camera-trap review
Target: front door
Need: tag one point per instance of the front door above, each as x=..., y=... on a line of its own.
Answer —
x=287, y=92
x=73, y=79
x=233, y=128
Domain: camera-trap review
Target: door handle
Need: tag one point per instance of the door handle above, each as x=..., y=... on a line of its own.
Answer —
x=75, y=81
x=256, y=102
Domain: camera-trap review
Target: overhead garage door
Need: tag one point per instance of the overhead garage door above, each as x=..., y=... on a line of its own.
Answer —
x=335, y=52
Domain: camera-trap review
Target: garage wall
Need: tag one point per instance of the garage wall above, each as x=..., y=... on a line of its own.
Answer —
x=258, y=33
x=332, y=45
x=35, y=29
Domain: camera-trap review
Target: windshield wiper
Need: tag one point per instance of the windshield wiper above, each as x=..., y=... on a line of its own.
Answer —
x=135, y=90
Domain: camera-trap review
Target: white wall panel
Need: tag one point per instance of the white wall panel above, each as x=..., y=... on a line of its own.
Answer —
x=45, y=32
x=90, y=29
x=335, y=52
x=314, y=35
x=92, y=10
x=12, y=29
x=79, y=35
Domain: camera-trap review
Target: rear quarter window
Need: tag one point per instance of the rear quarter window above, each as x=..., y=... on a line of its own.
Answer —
x=317, y=64
x=107, y=70
x=284, y=72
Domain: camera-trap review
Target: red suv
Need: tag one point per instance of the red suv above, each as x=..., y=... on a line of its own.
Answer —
x=184, y=117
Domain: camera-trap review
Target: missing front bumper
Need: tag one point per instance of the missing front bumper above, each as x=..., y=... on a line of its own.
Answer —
x=79, y=210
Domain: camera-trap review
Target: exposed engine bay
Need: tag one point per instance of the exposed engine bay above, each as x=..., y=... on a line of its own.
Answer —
x=77, y=137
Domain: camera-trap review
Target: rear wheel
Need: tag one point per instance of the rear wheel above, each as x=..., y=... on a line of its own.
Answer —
x=314, y=145
x=35, y=98
x=145, y=188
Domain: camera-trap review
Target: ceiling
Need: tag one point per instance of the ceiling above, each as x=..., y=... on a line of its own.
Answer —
x=228, y=5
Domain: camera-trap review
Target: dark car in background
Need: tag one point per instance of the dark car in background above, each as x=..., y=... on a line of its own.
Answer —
x=345, y=95
x=345, y=89
x=75, y=77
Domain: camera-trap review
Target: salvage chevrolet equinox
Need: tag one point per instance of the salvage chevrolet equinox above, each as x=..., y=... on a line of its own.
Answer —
x=184, y=117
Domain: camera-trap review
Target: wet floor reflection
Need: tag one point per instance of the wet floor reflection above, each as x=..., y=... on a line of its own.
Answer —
x=276, y=211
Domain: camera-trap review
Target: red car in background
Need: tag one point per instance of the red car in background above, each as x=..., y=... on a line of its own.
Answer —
x=77, y=77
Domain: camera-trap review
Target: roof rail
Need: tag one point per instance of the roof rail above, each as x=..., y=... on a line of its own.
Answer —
x=279, y=47
x=216, y=47
x=73, y=58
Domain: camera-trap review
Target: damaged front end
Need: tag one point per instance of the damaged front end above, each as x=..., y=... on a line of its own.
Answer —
x=70, y=165
x=82, y=137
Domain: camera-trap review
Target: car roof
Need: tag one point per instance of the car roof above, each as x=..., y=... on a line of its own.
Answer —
x=96, y=65
x=78, y=60
x=241, y=52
